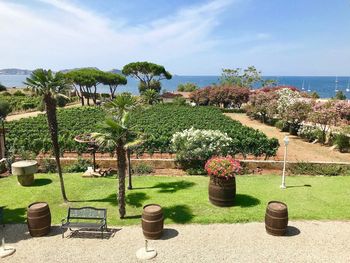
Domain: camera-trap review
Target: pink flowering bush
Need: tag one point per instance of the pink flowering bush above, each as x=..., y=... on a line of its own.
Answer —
x=223, y=167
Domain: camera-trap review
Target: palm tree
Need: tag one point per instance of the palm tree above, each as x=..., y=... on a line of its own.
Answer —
x=118, y=134
x=50, y=86
x=151, y=97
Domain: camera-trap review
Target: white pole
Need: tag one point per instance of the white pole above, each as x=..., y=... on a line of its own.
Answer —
x=283, y=185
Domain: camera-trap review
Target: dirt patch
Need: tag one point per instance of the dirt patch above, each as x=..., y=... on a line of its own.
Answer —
x=298, y=150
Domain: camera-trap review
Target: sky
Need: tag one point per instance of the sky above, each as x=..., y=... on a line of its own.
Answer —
x=200, y=37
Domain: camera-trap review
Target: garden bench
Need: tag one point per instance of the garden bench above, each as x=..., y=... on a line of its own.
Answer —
x=86, y=219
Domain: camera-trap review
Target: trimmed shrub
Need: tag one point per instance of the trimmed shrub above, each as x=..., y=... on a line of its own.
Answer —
x=142, y=168
x=343, y=142
x=18, y=93
x=319, y=169
x=48, y=166
x=81, y=165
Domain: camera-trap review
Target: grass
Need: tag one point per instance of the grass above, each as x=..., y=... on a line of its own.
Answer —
x=184, y=199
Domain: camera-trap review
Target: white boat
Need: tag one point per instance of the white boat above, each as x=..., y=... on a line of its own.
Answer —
x=336, y=84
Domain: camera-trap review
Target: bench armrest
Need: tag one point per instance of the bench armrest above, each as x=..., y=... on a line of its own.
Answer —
x=104, y=222
x=64, y=220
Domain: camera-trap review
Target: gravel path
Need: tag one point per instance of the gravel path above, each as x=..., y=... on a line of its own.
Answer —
x=298, y=150
x=307, y=241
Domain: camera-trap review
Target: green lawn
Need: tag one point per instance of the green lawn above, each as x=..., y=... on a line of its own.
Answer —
x=184, y=199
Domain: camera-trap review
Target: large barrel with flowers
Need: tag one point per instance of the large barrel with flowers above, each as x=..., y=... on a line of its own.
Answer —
x=222, y=191
x=222, y=183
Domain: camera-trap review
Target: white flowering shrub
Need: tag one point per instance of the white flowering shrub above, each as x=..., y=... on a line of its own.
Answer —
x=195, y=144
x=309, y=133
x=286, y=98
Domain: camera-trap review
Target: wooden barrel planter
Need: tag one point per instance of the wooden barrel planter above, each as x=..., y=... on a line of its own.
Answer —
x=222, y=191
x=276, y=218
x=38, y=219
x=152, y=221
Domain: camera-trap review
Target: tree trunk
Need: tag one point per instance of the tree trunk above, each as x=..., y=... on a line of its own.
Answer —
x=53, y=129
x=81, y=96
x=112, y=89
x=121, y=174
x=94, y=96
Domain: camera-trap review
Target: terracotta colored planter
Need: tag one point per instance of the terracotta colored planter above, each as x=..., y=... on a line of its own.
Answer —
x=222, y=191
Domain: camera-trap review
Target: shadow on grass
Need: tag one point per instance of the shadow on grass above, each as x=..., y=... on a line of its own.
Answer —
x=112, y=199
x=17, y=215
x=136, y=199
x=41, y=182
x=292, y=231
x=178, y=213
x=173, y=187
x=243, y=200
x=132, y=217
x=293, y=186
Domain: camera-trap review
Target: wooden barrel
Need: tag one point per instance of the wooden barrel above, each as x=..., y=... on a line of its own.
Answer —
x=276, y=218
x=38, y=219
x=152, y=221
x=222, y=191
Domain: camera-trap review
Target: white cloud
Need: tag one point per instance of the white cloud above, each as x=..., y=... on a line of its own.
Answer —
x=61, y=35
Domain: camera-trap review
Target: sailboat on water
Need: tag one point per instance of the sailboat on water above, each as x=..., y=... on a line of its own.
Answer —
x=336, y=84
x=309, y=89
x=348, y=88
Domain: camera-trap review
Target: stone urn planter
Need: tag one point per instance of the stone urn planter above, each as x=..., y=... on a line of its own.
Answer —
x=222, y=183
x=25, y=171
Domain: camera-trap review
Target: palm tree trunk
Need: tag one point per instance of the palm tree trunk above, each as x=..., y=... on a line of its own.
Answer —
x=53, y=129
x=121, y=174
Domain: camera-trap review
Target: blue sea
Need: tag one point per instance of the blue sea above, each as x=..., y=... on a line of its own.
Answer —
x=325, y=86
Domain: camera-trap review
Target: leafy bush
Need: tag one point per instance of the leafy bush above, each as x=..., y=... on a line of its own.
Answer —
x=187, y=87
x=200, y=144
x=224, y=95
x=18, y=93
x=6, y=94
x=62, y=101
x=309, y=133
x=48, y=166
x=142, y=168
x=2, y=87
x=180, y=101
x=28, y=105
x=81, y=165
x=240, y=110
x=343, y=142
x=282, y=125
x=196, y=171
x=320, y=169
x=5, y=108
